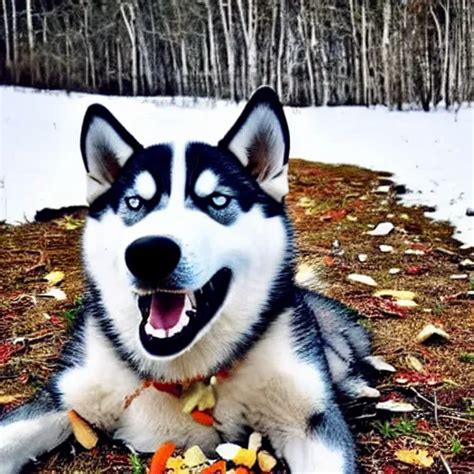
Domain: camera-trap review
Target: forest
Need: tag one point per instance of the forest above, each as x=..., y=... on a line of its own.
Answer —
x=313, y=52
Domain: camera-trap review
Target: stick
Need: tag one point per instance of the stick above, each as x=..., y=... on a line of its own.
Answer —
x=445, y=464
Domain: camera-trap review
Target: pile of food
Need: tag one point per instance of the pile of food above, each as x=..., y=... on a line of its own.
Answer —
x=231, y=459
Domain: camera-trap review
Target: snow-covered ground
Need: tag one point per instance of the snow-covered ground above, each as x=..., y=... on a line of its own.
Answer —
x=41, y=166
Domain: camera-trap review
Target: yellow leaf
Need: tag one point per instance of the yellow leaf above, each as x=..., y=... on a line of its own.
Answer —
x=397, y=294
x=84, y=434
x=415, y=457
x=414, y=363
x=53, y=278
x=6, y=399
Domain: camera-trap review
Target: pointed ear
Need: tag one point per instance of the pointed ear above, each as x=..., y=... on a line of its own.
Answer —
x=105, y=147
x=261, y=141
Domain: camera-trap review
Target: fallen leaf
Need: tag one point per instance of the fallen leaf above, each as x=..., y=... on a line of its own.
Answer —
x=363, y=279
x=415, y=457
x=430, y=331
x=397, y=294
x=395, y=407
x=415, y=252
x=416, y=378
x=83, y=432
x=378, y=363
x=459, y=276
x=55, y=293
x=7, y=399
x=406, y=304
x=53, y=278
x=382, y=229
x=328, y=261
x=414, y=270
x=386, y=248
x=333, y=215
x=306, y=202
x=394, y=271
x=414, y=363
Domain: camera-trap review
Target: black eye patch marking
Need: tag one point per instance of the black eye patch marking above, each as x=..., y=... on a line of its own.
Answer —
x=124, y=198
x=236, y=191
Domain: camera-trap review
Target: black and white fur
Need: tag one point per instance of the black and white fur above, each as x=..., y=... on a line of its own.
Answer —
x=205, y=225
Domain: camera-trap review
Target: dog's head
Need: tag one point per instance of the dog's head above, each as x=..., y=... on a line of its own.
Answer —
x=187, y=242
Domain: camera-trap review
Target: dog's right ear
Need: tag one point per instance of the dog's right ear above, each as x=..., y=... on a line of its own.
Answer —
x=105, y=147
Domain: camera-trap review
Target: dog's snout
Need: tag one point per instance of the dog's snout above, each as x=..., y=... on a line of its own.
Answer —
x=152, y=258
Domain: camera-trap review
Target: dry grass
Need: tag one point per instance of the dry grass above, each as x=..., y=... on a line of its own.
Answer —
x=327, y=203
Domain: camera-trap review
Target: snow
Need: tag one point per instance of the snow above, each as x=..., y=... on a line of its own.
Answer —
x=40, y=162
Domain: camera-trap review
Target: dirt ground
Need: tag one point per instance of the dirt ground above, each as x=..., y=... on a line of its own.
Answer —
x=333, y=208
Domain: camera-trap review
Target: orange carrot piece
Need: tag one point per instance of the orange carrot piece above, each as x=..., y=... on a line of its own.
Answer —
x=242, y=470
x=202, y=418
x=162, y=454
x=219, y=467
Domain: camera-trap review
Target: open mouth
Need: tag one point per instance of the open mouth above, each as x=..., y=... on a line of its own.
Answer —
x=172, y=320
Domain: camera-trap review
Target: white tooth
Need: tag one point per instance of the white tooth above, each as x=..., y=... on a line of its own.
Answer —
x=192, y=299
x=151, y=331
x=185, y=320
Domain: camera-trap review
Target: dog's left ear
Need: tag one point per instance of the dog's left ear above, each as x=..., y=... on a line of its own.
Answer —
x=261, y=141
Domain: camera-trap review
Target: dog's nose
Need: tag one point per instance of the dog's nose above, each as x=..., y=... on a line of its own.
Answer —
x=152, y=258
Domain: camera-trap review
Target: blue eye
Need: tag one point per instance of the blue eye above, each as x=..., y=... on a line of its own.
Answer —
x=134, y=202
x=219, y=201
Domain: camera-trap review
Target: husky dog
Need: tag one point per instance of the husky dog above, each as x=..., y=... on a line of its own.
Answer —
x=189, y=260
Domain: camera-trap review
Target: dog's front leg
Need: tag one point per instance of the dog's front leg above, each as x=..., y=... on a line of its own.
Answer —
x=326, y=446
x=31, y=430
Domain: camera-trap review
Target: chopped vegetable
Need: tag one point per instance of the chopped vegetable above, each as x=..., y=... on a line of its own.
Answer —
x=83, y=432
x=219, y=467
x=160, y=458
x=202, y=418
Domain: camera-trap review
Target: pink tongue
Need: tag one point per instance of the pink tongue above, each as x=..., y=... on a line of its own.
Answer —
x=165, y=310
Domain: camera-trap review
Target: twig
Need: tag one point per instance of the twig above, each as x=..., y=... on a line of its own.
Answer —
x=440, y=407
x=457, y=418
x=445, y=464
x=435, y=408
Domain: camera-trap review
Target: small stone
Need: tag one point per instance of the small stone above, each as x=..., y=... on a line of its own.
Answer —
x=383, y=189
x=470, y=211
x=459, y=276
x=362, y=257
x=55, y=293
x=430, y=331
x=379, y=363
x=394, y=271
x=467, y=264
x=382, y=229
x=415, y=252
x=395, y=407
x=405, y=217
x=407, y=304
x=386, y=248
x=363, y=279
